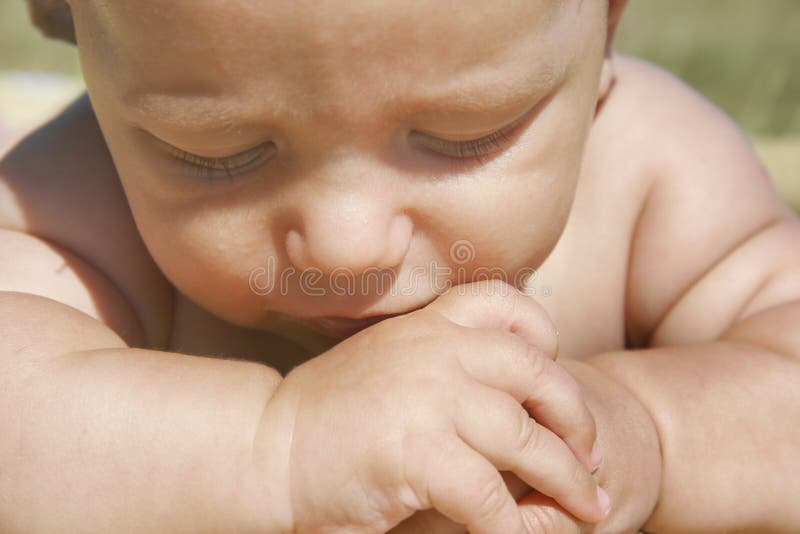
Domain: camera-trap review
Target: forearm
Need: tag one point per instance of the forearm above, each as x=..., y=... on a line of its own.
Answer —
x=122, y=439
x=631, y=478
x=726, y=415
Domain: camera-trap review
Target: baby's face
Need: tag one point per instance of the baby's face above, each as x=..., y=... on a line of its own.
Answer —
x=324, y=158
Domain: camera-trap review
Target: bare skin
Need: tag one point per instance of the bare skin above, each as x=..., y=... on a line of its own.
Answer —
x=648, y=219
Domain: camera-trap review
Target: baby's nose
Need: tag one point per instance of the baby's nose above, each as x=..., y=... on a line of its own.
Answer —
x=348, y=234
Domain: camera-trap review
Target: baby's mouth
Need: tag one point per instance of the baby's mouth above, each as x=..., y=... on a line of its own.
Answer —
x=344, y=327
x=339, y=327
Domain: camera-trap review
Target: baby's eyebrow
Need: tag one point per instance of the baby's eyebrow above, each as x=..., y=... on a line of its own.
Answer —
x=207, y=111
x=499, y=94
x=196, y=111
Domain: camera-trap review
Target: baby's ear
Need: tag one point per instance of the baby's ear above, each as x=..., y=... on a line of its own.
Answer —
x=615, y=9
x=53, y=18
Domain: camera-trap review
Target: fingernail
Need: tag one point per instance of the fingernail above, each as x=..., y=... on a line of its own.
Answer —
x=603, y=500
x=597, y=456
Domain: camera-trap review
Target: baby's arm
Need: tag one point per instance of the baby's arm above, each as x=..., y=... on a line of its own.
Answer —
x=699, y=428
x=714, y=293
x=96, y=435
x=107, y=438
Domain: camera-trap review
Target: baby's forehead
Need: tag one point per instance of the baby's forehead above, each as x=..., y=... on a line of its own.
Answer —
x=325, y=13
x=314, y=26
x=331, y=47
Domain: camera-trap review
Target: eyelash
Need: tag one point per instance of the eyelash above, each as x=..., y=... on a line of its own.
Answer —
x=227, y=166
x=473, y=150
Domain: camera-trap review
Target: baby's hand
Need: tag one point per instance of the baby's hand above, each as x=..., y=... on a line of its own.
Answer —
x=423, y=410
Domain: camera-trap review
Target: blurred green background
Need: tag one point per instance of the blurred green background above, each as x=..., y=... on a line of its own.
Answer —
x=23, y=48
x=742, y=54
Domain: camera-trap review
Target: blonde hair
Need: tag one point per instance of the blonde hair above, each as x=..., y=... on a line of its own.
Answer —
x=53, y=18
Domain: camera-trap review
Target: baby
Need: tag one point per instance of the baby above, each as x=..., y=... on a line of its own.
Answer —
x=306, y=266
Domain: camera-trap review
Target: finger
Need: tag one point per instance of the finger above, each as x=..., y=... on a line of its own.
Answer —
x=547, y=520
x=462, y=485
x=498, y=428
x=545, y=388
x=433, y=522
x=495, y=304
x=542, y=514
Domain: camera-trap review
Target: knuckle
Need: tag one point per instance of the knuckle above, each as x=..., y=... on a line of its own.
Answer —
x=539, y=366
x=529, y=442
x=519, y=346
x=421, y=455
x=514, y=349
x=491, y=499
x=497, y=344
x=540, y=519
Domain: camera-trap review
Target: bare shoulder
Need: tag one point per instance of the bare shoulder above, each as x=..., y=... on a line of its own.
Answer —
x=666, y=124
x=59, y=187
x=708, y=196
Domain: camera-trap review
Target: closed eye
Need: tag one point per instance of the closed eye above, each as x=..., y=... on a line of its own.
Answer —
x=227, y=166
x=471, y=149
x=252, y=158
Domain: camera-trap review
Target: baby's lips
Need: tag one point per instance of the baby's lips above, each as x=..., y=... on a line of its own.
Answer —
x=344, y=327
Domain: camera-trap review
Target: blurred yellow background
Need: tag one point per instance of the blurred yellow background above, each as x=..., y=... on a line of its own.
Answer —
x=741, y=54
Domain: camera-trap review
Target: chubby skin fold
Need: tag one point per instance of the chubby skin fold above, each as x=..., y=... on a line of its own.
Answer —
x=161, y=392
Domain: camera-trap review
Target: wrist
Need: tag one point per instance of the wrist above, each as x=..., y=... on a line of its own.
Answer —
x=631, y=467
x=265, y=498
